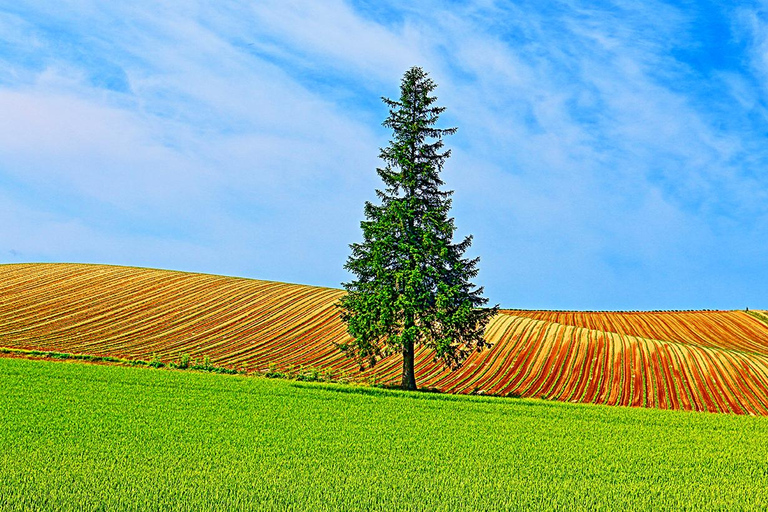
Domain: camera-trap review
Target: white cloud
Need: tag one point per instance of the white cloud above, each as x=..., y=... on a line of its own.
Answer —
x=240, y=139
x=339, y=37
x=98, y=152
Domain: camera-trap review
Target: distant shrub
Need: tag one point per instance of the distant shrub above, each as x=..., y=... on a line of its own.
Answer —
x=155, y=361
x=273, y=372
x=208, y=366
x=300, y=373
x=308, y=375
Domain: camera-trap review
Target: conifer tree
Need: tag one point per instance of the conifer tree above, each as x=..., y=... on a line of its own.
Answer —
x=413, y=282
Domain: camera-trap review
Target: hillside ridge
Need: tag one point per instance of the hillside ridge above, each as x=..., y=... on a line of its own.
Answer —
x=692, y=360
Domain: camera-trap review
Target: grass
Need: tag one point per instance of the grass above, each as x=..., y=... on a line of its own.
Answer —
x=184, y=363
x=92, y=437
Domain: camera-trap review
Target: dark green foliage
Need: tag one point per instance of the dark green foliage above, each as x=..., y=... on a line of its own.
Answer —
x=413, y=283
x=155, y=362
x=273, y=372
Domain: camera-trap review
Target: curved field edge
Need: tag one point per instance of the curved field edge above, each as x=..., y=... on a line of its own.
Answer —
x=702, y=361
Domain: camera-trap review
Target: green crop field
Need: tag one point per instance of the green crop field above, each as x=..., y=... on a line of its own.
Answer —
x=88, y=437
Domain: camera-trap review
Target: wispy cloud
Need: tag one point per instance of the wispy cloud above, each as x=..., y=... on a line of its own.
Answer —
x=606, y=157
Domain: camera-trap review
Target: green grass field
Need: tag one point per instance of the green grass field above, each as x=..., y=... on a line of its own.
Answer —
x=88, y=437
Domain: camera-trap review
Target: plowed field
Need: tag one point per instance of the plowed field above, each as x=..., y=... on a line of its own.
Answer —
x=694, y=360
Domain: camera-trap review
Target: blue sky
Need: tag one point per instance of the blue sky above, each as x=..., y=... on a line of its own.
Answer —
x=610, y=155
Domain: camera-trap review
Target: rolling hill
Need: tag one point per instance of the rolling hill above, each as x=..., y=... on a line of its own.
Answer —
x=692, y=360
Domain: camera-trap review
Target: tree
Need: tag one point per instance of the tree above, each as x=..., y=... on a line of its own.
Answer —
x=413, y=283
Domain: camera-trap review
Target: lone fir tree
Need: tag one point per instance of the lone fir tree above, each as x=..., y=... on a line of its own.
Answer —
x=413, y=283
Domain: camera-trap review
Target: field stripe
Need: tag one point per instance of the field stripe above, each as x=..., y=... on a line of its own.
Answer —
x=691, y=360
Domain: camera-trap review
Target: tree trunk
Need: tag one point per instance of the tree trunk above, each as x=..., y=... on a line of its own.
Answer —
x=409, y=377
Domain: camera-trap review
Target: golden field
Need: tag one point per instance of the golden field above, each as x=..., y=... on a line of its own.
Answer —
x=692, y=360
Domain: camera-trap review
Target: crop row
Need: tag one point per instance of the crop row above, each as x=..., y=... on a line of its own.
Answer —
x=733, y=330
x=705, y=361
